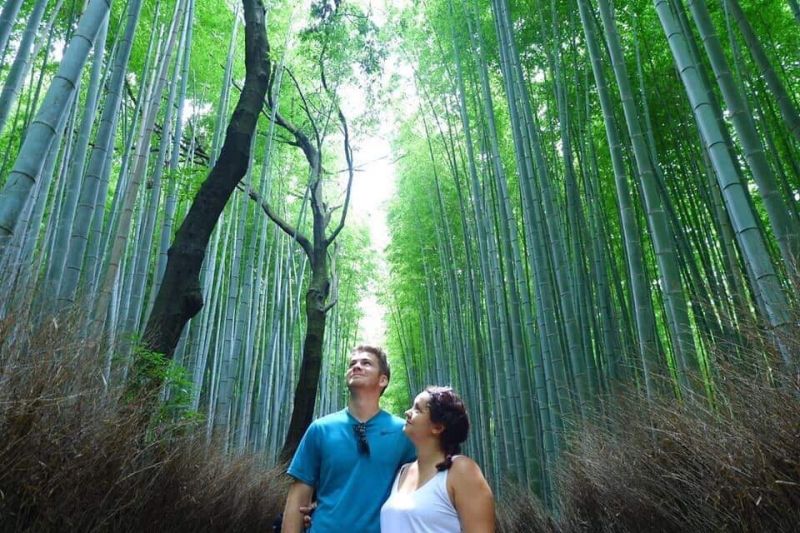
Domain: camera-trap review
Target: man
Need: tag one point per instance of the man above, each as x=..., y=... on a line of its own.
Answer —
x=350, y=457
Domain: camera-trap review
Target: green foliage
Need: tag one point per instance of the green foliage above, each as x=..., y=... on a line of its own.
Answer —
x=343, y=36
x=342, y=39
x=190, y=180
x=152, y=372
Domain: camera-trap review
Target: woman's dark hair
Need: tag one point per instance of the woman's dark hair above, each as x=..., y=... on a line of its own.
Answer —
x=447, y=409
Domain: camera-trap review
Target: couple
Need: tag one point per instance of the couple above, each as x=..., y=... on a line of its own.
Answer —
x=372, y=473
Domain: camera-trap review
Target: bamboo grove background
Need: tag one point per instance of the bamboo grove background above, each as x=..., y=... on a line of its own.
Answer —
x=128, y=149
x=592, y=196
x=595, y=196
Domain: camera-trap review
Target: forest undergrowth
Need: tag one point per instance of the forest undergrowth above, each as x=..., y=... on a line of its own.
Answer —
x=80, y=454
x=729, y=463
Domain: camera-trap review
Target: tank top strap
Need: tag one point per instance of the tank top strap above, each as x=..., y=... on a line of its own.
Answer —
x=439, y=486
x=396, y=484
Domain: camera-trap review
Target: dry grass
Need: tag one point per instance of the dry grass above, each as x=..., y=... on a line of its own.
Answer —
x=689, y=466
x=669, y=466
x=76, y=457
x=683, y=467
x=519, y=511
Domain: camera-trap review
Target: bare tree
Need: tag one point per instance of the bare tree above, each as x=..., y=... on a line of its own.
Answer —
x=319, y=299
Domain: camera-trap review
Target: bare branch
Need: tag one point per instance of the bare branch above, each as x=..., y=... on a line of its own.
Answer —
x=301, y=140
x=290, y=142
x=348, y=154
x=330, y=305
x=362, y=166
x=301, y=239
x=306, y=108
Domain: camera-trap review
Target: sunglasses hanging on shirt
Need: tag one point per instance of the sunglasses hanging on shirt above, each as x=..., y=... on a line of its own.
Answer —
x=360, y=430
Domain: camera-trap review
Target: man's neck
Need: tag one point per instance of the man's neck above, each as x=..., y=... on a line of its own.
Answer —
x=363, y=407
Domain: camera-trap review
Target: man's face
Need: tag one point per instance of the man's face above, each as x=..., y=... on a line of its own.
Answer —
x=364, y=372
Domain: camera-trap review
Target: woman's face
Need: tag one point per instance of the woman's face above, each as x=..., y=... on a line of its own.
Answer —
x=418, y=419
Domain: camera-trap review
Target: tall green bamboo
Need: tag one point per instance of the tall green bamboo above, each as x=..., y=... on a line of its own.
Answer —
x=7, y=17
x=42, y=130
x=785, y=103
x=663, y=241
x=784, y=226
x=22, y=61
x=150, y=110
x=99, y=160
x=751, y=241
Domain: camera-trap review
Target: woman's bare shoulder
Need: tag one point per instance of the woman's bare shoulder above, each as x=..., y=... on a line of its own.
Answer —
x=465, y=467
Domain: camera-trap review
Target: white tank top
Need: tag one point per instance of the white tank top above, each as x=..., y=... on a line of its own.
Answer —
x=426, y=510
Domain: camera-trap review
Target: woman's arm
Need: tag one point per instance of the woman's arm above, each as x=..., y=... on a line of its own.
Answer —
x=471, y=496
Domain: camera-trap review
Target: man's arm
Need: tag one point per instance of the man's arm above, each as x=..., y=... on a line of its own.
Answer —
x=300, y=495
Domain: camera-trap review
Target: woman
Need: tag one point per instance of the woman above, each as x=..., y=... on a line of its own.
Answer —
x=441, y=491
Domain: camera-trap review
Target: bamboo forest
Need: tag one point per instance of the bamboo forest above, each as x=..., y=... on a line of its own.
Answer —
x=583, y=215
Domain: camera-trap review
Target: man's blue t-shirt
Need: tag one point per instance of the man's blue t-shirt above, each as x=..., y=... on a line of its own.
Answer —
x=351, y=485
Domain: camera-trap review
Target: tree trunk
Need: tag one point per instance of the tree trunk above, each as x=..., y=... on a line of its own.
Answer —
x=306, y=391
x=180, y=296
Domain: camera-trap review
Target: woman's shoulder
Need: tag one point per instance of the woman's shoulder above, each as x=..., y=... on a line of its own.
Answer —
x=466, y=479
x=463, y=467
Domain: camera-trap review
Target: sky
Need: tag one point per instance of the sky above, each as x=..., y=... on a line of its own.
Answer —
x=374, y=184
x=373, y=188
